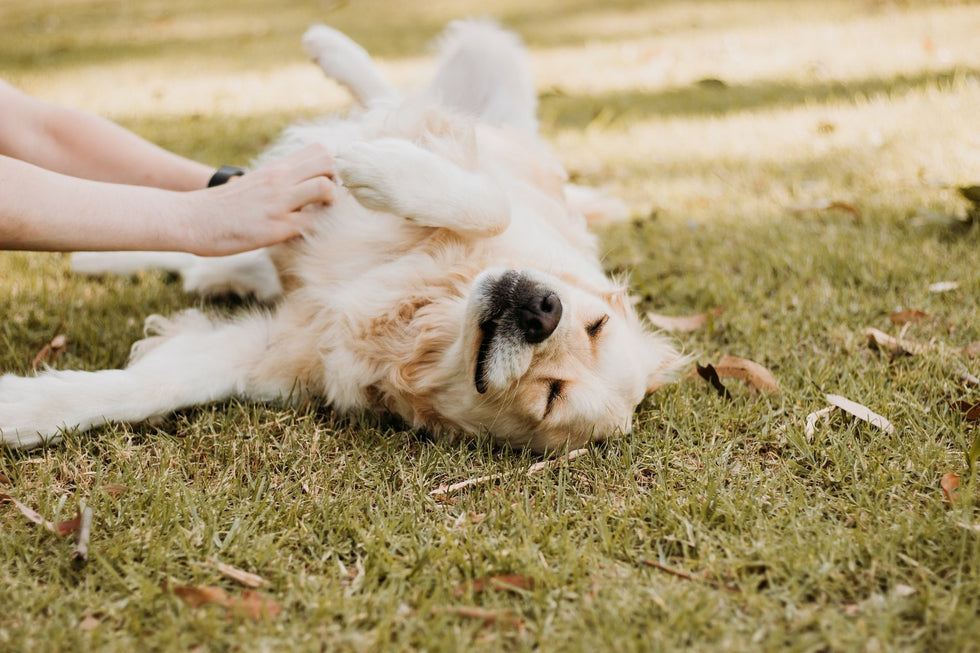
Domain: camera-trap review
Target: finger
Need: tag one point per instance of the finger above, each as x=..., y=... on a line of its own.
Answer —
x=315, y=190
x=312, y=161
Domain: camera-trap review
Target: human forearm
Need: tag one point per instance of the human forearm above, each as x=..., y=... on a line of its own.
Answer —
x=55, y=212
x=84, y=145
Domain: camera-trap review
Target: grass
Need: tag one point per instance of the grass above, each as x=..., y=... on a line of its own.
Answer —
x=839, y=541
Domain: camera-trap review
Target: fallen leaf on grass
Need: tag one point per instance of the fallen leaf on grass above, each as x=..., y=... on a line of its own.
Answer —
x=250, y=603
x=969, y=527
x=949, y=483
x=824, y=205
x=683, y=324
x=907, y=316
x=504, y=583
x=970, y=410
x=88, y=622
x=245, y=578
x=710, y=374
x=733, y=367
x=444, y=490
x=861, y=412
x=894, y=345
x=972, y=350
x=944, y=286
x=61, y=528
x=115, y=490
x=49, y=351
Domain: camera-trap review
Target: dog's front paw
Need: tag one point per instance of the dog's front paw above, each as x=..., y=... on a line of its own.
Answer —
x=24, y=422
x=385, y=174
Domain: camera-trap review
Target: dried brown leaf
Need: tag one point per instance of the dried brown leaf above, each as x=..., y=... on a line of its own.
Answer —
x=89, y=622
x=949, y=483
x=733, y=367
x=255, y=605
x=198, y=596
x=970, y=410
x=907, y=316
x=894, y=345
x=861, y=412
x=683, y=324
x=115, y=490
x=504, y=583
x=972, y=350
x=250, y=603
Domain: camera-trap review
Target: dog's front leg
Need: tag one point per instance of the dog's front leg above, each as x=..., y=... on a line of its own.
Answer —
x=395, y=176
x=192, y=361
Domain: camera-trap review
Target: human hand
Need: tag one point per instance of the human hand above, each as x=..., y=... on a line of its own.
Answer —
x=261, y=208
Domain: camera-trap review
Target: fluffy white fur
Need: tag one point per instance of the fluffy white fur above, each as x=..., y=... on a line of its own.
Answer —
x=424, y=290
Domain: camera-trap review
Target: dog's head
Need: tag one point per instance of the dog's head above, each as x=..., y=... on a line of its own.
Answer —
x=547, y=361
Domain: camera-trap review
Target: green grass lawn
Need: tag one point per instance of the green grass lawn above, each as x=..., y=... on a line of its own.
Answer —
x=793, y=163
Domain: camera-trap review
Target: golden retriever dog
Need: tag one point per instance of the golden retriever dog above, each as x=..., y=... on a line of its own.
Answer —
x=453, y=281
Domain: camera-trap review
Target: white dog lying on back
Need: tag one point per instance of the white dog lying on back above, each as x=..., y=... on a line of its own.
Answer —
x=453, y=281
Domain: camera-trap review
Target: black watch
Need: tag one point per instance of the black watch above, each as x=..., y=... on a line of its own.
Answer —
x=223, y=174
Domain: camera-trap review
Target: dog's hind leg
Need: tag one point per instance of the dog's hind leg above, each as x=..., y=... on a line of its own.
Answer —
x=192, y=361
x=348, y=63
x=249, y=273
x=484, y=72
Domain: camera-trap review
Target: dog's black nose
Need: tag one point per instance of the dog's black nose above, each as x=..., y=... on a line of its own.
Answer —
x=539, y=317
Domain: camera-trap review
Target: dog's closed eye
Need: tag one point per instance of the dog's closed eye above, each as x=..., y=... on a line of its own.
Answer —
x=595, y=328
x=555, y=387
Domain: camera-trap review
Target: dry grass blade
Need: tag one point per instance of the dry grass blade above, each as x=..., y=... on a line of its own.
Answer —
x=245, y=578
x=861, y=412
x=944, y=286
x=80, y=551
x=688, y=576
x=505, y=617
x=445, y=490
x=897, y=346
x=760, y=378
x=683, y=324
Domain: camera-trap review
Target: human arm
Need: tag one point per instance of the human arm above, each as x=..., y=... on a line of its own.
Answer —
x=81, y=144
x=45, y=210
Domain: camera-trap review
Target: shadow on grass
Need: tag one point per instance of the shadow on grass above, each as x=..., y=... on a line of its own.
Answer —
x=714, y=97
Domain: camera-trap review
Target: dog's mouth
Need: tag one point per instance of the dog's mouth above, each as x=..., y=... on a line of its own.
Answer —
x=517, y=309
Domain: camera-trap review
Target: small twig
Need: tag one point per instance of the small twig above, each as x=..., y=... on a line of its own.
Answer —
x=446, y=490
x=84, y=531
x=687, y=576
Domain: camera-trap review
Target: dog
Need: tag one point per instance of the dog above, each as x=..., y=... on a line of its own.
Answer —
x=453, y=282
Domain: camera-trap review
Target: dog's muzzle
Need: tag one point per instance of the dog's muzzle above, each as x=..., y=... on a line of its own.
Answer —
x=517, y=308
